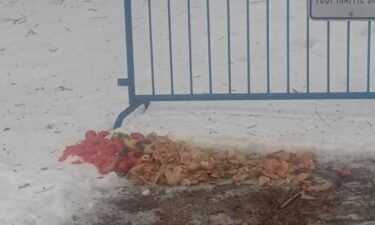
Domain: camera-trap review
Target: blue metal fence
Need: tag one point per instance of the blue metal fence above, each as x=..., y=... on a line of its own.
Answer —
x=136, y=100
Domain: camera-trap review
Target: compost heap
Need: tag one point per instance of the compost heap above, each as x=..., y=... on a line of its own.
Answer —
x=154, y=159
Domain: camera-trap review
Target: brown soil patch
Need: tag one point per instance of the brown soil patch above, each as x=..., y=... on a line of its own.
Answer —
x=350, y=201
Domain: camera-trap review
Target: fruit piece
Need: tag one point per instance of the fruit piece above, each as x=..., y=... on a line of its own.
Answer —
x=306, y=161
x=276, y=166
x=68, y=151
x=147, y=149
x=286, y=156
x=100, y=151
x=124, y=165
x=173, y=175
x=263, y=180
x=90, y=135
x=103, y=134
x=302, y=176
x=306, y=196
x=241, y=175
x=137, y=136
x=131, y=144
x=119, y=135
x=143, y=159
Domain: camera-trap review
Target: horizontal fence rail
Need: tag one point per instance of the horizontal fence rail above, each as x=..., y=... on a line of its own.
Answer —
x=207, y=18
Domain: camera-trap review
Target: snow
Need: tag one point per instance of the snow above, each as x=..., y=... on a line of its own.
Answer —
x=60, y=60
x=51, y=68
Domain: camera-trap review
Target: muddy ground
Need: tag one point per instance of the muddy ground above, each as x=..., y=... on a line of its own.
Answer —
x=350, y=202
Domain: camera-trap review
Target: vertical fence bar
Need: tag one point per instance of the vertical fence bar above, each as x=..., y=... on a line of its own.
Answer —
x=248, y=44
x=307, y=48
x=229, y=49
x=151, y=47
x=129, y=49
x=328, y=56
x=170, y=45
x=368, y=55
x=268, y=44
x=348, y=58
x=209, y=44
x=190, y=55
x=288, y=46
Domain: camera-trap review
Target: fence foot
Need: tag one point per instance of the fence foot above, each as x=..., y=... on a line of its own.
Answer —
x=125, y=113
x=146, y=104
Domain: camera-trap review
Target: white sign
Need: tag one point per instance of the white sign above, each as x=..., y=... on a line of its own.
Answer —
x=342, y=9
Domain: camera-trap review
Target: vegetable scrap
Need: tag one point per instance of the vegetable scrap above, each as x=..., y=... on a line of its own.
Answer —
x=154, y=159
x=106, y=154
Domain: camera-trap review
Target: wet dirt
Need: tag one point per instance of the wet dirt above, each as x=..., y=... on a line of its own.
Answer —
x=351, y=201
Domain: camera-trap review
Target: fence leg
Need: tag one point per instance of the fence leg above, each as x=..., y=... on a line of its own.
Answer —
x=131, y=108
x=146, y=104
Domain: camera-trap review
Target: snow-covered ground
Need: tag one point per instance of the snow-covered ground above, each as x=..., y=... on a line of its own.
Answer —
x=59, y=65
x=59, y=61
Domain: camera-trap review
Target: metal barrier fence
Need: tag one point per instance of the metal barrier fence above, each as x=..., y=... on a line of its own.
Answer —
x=136, y=100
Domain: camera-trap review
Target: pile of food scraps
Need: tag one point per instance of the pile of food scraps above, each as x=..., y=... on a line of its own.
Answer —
x=154, y=159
